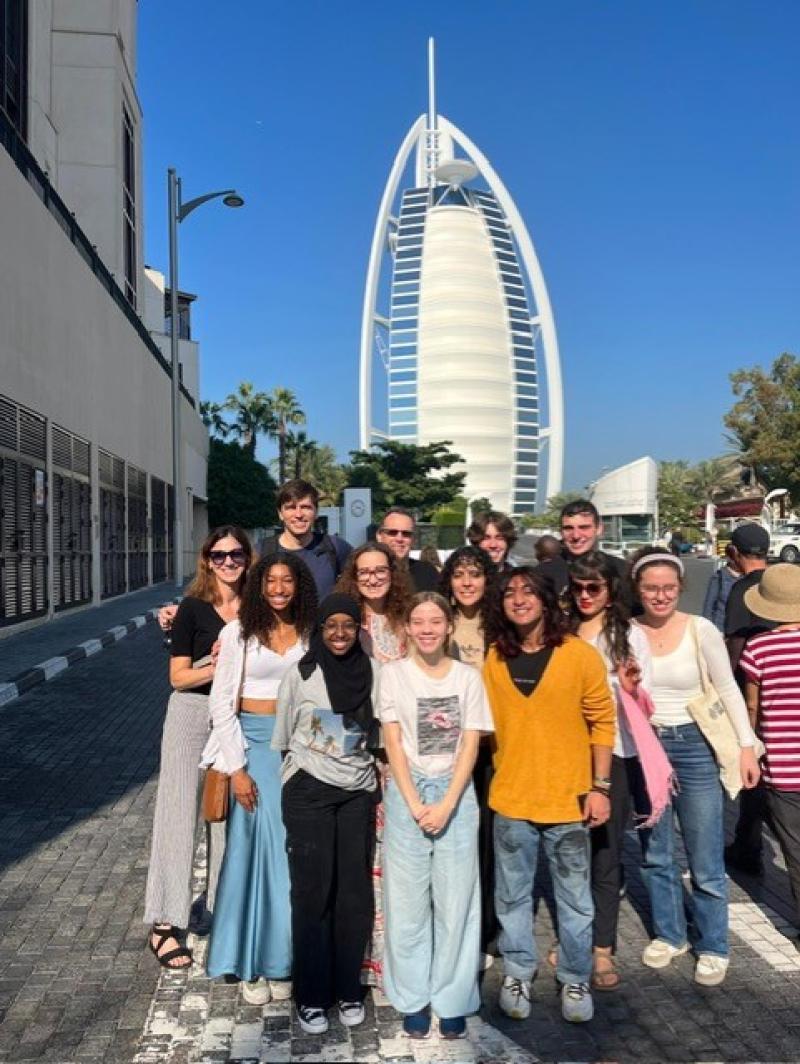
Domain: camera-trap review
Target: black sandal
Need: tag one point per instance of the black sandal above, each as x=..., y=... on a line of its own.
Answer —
x=164, y=935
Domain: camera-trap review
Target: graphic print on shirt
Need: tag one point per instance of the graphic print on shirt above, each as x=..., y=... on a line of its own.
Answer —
x=438, y=725
x=329, y=733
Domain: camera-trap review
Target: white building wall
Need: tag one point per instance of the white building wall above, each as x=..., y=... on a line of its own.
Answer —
x=464, y=384
x=630, y=489
x=82, y=68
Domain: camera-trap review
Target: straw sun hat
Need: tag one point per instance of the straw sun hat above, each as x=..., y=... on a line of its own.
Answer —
x=777, y=595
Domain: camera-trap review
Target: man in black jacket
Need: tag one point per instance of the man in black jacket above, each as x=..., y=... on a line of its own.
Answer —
x=396, y=531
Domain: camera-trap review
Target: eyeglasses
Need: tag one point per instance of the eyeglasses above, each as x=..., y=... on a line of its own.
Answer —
x=378, y=574
x=669, y=591
x=217, y=557
x=405, y=533
x=593, y=588
x=346, y=628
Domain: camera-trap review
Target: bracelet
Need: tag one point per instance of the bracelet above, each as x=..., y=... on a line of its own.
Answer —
x=601, y=790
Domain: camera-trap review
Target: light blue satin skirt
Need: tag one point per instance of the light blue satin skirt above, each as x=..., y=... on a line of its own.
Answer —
x=251, y=933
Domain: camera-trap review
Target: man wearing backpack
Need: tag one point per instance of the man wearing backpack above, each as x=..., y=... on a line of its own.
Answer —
x=298, y=503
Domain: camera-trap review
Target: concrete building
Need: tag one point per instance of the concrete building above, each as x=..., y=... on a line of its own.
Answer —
x=469, y=328
x=627, y=498
x=85, y=424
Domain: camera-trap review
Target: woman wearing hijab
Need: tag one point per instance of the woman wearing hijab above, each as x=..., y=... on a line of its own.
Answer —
x=326, y=728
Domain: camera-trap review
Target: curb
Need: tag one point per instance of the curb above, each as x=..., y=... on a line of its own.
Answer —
x=47, y=670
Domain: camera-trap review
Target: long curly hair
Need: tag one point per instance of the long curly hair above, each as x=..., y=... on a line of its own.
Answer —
x=477, y=557
x=617, y=620
x=503, y=633
x=257, y=617
x=204, y=584
x=399, y=594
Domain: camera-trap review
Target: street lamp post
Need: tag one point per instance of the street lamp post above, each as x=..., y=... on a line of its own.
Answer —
x=177, y=212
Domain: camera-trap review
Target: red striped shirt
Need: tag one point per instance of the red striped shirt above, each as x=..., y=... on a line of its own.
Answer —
x=772, y=660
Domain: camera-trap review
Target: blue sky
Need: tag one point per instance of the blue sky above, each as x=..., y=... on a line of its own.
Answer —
x=652, y=149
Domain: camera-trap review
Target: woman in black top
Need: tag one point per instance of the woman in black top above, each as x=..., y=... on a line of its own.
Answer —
x=211, y=601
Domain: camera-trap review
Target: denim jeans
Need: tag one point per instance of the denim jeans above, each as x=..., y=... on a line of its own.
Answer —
x=516, y=851
x=701, y=918
x=432, y=904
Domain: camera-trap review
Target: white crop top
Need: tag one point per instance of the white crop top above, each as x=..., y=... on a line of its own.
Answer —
x=264, y=669
x=254, y=674
x=677, y=680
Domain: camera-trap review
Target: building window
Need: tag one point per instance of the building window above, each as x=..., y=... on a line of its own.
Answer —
x=129, y=205
x=14, y=63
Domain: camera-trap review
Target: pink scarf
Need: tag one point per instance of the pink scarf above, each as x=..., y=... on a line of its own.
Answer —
x=659, y=777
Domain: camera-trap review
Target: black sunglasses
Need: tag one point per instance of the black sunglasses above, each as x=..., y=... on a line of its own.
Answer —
x=237, y=556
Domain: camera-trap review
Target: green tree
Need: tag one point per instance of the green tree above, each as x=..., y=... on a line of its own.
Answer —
x=285, y=410
x=764, y=422
x=211, y=413
x=677, y=501
x=404, y=474
x=240, y=489
x=252, y=415
x=714, y=478
x=480, y=506
x=326, y=473
x=299, y=449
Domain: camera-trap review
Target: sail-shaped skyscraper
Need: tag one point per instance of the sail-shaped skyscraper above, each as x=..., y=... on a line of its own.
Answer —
x=469, y=327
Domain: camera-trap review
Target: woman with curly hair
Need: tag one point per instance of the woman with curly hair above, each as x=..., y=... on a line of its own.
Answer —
x=554, y=728
x=374, y=579
x=641, y=775
x=468, y=583
x=251, y=936
x=382, y=590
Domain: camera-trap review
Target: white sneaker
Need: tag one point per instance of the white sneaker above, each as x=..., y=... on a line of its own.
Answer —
x=576, y=1002
x=256, y=992
x=281, y=989
x=351, y=1013
x=660, y=954
x=711, y=969
x=515, y=998
x=313, y=1021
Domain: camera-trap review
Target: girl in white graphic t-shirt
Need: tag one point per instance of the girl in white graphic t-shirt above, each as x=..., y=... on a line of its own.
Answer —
x=433, y=711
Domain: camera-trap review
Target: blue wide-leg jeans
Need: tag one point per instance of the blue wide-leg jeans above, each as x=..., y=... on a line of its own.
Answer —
x=432, y=904
x=516, y=852
x=698, y=806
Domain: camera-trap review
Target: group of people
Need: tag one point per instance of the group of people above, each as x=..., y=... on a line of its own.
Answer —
x=401, y=741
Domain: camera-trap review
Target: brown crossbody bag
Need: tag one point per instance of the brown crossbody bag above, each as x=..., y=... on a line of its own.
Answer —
x=216, y=798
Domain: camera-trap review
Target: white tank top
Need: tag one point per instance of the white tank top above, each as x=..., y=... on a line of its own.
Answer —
x=264, y=669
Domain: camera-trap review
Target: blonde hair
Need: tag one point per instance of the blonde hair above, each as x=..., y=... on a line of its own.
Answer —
x=437, y=600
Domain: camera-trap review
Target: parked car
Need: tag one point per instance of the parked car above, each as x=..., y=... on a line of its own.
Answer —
x=785, y=542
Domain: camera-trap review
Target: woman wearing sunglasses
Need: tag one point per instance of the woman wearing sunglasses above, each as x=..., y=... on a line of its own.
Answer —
x=684, y=649
x=641, y=775
x=250, y=936
x=380, y=586
x=211, y=601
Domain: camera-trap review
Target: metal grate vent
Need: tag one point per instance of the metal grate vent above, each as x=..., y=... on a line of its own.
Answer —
x=31, y=434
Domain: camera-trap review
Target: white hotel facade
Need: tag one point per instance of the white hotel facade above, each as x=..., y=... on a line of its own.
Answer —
x=469, y=329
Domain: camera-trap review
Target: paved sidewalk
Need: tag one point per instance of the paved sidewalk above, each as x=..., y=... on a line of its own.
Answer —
x=41, y=653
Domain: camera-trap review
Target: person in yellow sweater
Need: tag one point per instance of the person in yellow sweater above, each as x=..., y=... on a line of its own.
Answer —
x=554, y=721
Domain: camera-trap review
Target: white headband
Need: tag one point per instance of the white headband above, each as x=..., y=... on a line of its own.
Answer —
x=660, y=559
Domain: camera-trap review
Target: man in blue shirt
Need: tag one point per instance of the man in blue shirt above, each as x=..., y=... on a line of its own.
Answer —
x=298, y=504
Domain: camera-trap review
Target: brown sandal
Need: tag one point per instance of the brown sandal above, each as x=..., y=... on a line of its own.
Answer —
x=604, y=970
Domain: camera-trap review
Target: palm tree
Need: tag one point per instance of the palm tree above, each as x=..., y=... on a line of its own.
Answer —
x=211, y=413
x=714, y=477
x=285, y=411
x=326, y=473
x=253, y=414
x=301, y=450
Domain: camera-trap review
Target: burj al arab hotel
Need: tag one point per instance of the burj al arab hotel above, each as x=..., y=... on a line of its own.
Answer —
x=468, y=328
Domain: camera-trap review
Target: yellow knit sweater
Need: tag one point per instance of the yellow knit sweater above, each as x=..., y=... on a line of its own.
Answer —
x=543, y=761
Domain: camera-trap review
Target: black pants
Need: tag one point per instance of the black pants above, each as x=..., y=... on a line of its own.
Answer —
x=627, y=790
x=481, y=778
x=747, y=839
x=329, y=839
x=782, y=813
